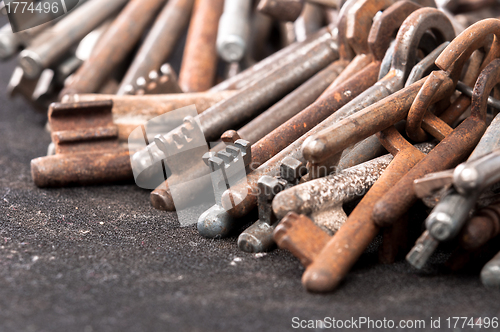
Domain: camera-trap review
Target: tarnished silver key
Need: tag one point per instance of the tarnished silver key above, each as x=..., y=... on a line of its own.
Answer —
x=448, y=217
x=259, y=236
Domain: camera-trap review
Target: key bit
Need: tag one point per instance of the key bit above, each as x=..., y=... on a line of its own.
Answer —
x=164, y=82
x=422, y=251
x=207, y=156
x=230, y=136
x=159, y=44
x=140, y=86
x=227, y=157
x=246, y=151
x=432, y=183
x=185, y=137
x=299, y=235
x=228, y=168
x=86, y=147
x=292, y=170
x=269, y=188
x=258, y=237
x=129, y=89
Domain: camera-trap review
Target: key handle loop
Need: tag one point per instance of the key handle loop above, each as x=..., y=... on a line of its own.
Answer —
x=410, y=34
x=440, y=84
x=454, y=57
x=345, y=50
x=360, y=19
x=486, y=82
x=355, y=22
x=386, y=26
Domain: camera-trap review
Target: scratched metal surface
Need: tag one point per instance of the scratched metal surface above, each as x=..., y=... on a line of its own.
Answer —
x=102, y=259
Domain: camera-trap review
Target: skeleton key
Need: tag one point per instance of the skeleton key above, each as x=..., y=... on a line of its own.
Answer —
x=259, y=127
x=116, y=43
x=457, y=143
x=48, y=47
x=159, y=43
x=298, y=125
x=449, y=216
x=130, y=112
x=321, y=147
x=259, y=236
x=86, y=146
x=337, y=256
x=163, y=82
x=270, y=167
x=269, y=120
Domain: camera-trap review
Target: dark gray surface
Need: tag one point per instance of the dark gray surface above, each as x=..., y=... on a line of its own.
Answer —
x=102, y=259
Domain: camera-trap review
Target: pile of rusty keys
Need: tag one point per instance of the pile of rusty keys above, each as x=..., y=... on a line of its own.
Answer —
x=310, y=107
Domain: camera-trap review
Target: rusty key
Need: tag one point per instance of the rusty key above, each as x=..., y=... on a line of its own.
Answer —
x=160, y=41
x=333, y=263
x=458, y=142
x=319, y=147
x=116, y=43
x=200, y=55
x=302, y=122
x=339, y=254
x=270, y=167
x=54, y=42
x=261, y=125
x=472, y=236
x=345, y=247
x=132, y=111
x=86, y=146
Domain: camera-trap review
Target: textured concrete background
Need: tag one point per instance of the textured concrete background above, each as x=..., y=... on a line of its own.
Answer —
x=102, y=259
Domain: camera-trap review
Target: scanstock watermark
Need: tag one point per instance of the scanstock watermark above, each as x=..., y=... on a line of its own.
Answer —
x=31, y=13
x=171, y=151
